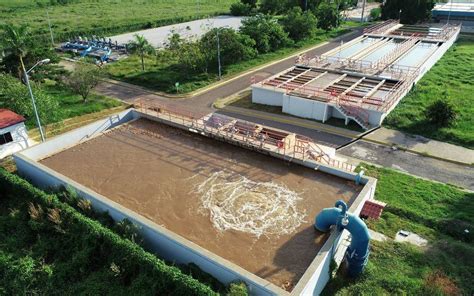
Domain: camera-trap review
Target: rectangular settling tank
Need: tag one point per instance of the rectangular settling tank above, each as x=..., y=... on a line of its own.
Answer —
x=251, y=209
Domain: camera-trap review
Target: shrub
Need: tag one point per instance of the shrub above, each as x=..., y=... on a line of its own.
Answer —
x=267, y=33
x=15, y=96
x=273, y=6
x=87, y=258
x=299, y=24
x=441, y=113
x=375, y=13
x=328, y=16
x=240, y=9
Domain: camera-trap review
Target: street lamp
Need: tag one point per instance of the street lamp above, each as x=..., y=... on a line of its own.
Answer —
x=42, y=62
x=218, y=54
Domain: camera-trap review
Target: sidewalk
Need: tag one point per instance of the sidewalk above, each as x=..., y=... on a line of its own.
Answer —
x=415, y=144
x=422, y=145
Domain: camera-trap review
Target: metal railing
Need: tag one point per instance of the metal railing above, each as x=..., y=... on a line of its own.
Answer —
x=289, y=145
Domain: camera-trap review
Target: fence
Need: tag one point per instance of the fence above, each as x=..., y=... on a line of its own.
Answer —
x=246, y=134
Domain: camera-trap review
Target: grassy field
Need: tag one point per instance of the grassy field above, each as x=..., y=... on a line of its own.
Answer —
x=453, y=74
x=437, y=212
x=105, y=17
x=161, y=75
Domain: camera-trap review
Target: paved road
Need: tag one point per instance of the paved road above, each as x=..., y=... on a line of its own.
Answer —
x=203, y=102
x=414, y=164
x=188, y=30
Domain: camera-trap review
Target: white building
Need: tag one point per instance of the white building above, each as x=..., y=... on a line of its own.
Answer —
x=13, y=135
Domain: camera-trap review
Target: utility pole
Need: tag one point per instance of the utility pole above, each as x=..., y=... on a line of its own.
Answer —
x=363, y=10
x=218, y=53
x=50, y=30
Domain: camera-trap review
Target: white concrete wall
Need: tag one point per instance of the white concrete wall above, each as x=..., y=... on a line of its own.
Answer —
x=317, y=276
x=267, y=96
x=20, y=139
x=305, y=108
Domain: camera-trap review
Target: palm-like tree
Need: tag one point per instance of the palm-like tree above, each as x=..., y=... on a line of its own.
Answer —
x=15, y=41
x=141, y=46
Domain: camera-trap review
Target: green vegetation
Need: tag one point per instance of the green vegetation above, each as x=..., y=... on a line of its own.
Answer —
x=164, y=70
x=48, y=247
x=54, y=101
x=409, y=12
x=451, y=80
x=105, y=17
x=438, y=212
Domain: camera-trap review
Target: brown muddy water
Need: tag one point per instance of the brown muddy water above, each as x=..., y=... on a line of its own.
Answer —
x=253, y=210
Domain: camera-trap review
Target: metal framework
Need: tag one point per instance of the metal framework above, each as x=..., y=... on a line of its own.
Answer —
x=247, y=134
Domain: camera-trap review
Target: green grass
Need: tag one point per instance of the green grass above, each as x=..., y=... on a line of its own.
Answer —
x=106, y=16
x=435, y=211
x=454, y=73
x=72, y=105
x=161, y=75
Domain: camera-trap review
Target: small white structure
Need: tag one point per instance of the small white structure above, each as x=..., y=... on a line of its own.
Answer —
x=13, y=135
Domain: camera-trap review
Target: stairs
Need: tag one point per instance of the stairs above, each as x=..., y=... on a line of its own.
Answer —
x=355, y=113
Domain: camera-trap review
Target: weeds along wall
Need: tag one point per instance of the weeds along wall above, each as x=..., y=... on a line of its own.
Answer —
x=142, y=271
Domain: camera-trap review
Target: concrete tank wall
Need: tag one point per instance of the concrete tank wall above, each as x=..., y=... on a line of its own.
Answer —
x=305, y=108
x=266, y=96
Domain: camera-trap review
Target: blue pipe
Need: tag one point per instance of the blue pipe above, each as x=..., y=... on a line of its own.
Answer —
x=357, y=253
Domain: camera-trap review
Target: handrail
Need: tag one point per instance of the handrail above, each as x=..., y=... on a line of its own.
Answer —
x=239, y=130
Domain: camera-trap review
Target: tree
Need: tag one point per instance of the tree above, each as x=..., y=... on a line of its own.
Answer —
x=240, y=9
x=234, y=47
x=15, y=96
x=273, y=6
x=142, y=47
x=84, y=78
x=191, y=57
x=409, y=11
x=328, y=16
x=267, y=33
x=299, y=24
x=441, y=112
x=251, y=3
x=15, y=42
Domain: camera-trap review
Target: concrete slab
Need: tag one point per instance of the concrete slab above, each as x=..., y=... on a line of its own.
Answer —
x=423, y=145
x=404, y=236
x=188, y=30
x=374, y=235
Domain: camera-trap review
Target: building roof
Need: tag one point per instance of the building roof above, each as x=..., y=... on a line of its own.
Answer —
x=9, y=118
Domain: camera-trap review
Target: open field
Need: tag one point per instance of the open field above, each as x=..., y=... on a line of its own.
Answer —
x=437, y=212
x=453, y=76
x=162, y=74
x=105, y=17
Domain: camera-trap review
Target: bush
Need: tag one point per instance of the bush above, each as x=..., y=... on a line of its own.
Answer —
x=375, y=14
x=412, y=12
x=15, y=96
x=273, y=6
x=240, y=9
x=441, y=113
x=267, y=33
x=40, y=232
x=328, y=16
x=299, y=24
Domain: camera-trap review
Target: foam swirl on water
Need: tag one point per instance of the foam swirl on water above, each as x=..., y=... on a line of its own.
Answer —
x=260, y=208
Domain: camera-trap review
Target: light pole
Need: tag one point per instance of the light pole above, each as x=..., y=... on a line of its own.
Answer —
x=363, y=10
x=42, y=62
x=218, y=54
x=50, y=30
